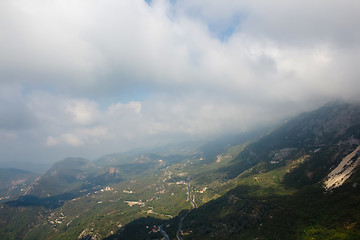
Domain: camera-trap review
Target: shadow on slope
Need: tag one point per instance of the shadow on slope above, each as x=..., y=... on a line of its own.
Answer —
x=256, y=212
x=142, y=228
x=306, y=214
x=51, y=202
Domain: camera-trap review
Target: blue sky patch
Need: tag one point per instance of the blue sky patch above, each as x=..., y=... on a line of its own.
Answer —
x=225, y=32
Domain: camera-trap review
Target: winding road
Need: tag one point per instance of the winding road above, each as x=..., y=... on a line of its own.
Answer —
x=164, y=234
x=189, y=196
x=178, y=234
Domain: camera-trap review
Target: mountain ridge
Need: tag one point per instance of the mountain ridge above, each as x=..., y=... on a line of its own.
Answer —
x=270, y=187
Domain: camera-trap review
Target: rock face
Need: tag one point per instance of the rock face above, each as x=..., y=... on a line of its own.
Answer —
x=327, y=135
x=86, y=234
x=343, y=171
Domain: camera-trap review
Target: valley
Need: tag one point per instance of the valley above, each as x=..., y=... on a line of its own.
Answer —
x=298, y=181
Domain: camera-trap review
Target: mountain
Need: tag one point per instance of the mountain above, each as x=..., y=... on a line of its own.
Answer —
x=300, y=181
x=297, y=181
x=13, y=182
x=331, y=130
x=64, y=176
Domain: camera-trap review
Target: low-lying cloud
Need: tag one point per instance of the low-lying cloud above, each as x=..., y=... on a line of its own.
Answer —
x=92, y=77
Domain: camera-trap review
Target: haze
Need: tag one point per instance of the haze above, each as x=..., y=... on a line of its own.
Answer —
x=90, y=77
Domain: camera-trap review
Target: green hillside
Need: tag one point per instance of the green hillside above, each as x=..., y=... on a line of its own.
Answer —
x=13, y=182
x=273, y=187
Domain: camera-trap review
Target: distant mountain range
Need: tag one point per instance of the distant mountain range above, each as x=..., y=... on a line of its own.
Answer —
x=298, y=181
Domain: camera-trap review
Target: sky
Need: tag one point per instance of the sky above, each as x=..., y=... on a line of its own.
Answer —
x=90, y=77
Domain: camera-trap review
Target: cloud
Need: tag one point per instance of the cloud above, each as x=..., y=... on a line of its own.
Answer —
x=79, y=137
x=51, y=141
x=82, y=112
x=91, y=77
x=118, y=108
x=71, y=140
x=14, y=111
x=92, y=48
